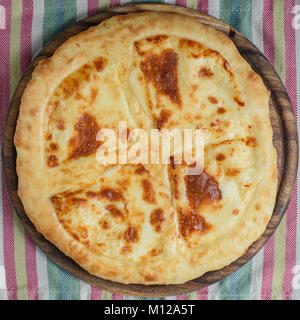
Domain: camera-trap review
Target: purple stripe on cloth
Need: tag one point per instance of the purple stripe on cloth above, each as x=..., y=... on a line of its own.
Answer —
x=116, y=296
x=114, y=3
x=203, y=6
x=181, y=3
x=203, y=294
x=96, y=293
x=8, y=246
x=93, y=7
x=181, y=297
x=291, y=86
x=269, y=51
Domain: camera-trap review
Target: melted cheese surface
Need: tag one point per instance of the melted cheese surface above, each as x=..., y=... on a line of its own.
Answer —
x=148, y=215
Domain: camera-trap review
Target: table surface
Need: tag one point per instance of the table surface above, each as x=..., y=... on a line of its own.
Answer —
x=25, y=271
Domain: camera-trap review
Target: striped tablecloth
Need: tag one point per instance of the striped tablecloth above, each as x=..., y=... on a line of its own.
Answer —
x=25, y=27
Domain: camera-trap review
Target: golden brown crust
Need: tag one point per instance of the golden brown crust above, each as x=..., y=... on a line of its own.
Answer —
x=140, y=225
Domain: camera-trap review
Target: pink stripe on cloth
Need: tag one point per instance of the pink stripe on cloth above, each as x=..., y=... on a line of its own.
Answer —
x=203, y=5
x=268, y=31
x=26, y=56
x=181, y=297
x=203, y=294
x=291, y=86
x=290, y=244
x=8, y=246
x=269, y=51
x=8, y=223
x=93, y=7
x=116, y=296
x=114, y=3
x=96, y=293
x=181, y=3
x=26, y=27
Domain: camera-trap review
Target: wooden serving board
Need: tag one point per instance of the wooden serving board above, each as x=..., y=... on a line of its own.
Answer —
x=285, y=141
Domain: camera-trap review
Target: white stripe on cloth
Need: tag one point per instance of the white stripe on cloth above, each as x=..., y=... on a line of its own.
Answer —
x=82, y=9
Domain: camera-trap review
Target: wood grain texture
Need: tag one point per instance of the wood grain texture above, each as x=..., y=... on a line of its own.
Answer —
x=285, y=140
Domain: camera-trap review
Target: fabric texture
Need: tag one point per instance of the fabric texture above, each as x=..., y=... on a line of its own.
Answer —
x=25, y=27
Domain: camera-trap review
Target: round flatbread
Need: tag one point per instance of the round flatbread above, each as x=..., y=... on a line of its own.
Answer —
x=147, y=223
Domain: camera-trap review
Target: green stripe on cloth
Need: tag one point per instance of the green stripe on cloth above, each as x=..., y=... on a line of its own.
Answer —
x=279, y=64
x=49, y=30
x=52, y=270
x=193, y=4
x=15, y=73
x=104, y=4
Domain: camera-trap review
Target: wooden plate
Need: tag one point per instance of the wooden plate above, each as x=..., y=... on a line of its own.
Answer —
x=285, y=140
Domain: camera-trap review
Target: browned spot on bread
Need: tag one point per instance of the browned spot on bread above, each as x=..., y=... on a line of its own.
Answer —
x=257, y=206
x=212, y=99
x=33, y=112
x=141, y=170
x=190, y=43
x=104, y=224
x=94, y=93
x=235, y=212
x=211, y=53
x=84, y=143
x=221, y=110
x=161, y=70
x=83, y=232
x=163, y=118
x=232, y=172
x=239, y=101
x=60, y=124
x=52, y=161
x=77, y=202
x=53, y=146
x=131, y=234
x=190, y=222
x=202, y=189
x=227, y=67
x=150, y=277
x=99, y=63
x=148, y=192
x=205, y=72
x=125, y=249
x=220, y=157
x=157, y=39
x=114, y=211
x=173, y=178
x=137, y=46
x=250, y=141
x=156, y=252
x=56, y=203
x=107, y=193
x=69, y=86
x=157, y=218
x=216, y=123
x=195, y=87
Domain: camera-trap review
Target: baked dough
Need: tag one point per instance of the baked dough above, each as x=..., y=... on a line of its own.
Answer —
x=147, y=224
